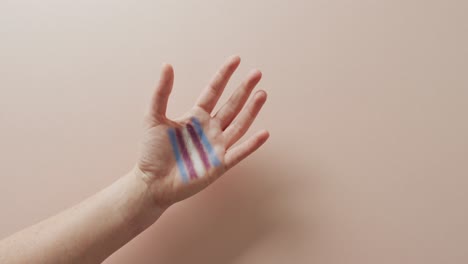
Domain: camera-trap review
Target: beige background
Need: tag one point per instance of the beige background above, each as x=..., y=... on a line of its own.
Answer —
x=367, y=161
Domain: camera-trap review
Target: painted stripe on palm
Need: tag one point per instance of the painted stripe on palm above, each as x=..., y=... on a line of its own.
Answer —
x=198, y=145
x=175, y=149
x=211, y=153
x=192, y=150
x=185, y=155
x=193, y=153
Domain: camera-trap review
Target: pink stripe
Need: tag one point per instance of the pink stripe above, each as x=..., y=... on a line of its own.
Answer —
x=185, y=155
x=198, y=145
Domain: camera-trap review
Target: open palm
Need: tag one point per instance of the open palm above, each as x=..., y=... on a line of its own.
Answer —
x=180, y=157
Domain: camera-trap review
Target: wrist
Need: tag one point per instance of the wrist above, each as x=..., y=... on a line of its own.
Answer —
x=157, y=187
x=135, y=203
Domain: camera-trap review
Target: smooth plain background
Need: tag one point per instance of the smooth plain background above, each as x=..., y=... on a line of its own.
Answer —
x=368, y=103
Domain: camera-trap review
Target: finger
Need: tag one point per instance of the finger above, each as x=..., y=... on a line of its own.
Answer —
x=235, y=103
x=213, y=91
x=238, y=128
x=240, y=152
x=161, y=94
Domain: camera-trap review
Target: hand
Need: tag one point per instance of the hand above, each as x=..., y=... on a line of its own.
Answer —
x=180, y=157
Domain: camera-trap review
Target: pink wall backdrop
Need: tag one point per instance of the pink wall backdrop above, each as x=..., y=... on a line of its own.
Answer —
x=367, y=160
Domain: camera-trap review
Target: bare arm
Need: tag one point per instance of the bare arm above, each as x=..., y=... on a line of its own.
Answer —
x=88, y=232
x=178, y=158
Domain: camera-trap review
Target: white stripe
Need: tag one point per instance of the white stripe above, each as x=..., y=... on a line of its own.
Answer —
x=193, y=153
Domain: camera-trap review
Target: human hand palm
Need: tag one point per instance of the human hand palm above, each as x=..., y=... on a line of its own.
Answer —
x=180, y=157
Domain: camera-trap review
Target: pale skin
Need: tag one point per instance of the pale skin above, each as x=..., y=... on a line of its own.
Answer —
x=92, y=230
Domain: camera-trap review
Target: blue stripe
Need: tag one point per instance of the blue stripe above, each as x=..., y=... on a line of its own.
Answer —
x=175, y=148
x=211, y=154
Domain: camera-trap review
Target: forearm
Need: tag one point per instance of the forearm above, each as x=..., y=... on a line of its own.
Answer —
x=88, y=232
